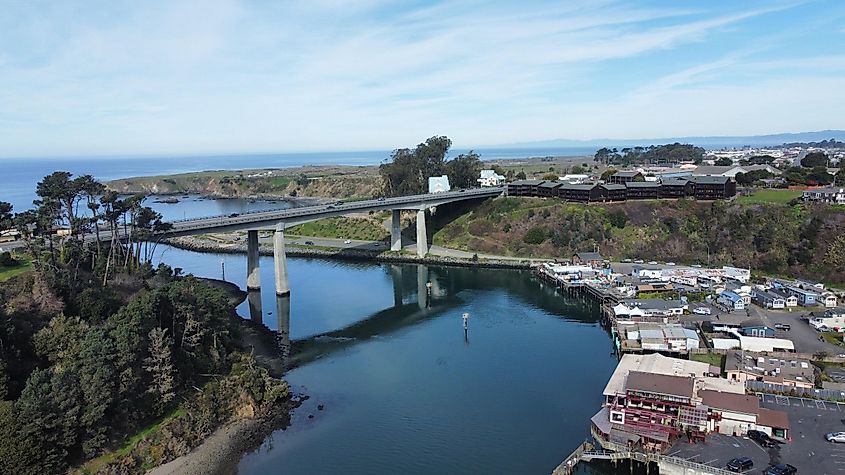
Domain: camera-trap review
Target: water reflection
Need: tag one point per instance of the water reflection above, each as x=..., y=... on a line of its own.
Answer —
x=254, y=300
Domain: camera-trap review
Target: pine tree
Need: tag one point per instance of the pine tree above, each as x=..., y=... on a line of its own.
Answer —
x=160, y=367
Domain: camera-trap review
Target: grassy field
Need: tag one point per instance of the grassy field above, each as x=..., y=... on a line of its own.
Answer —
x=7, y=273
x=343, y=228
x=713, y=359
x=770, y=196
x=833, y=338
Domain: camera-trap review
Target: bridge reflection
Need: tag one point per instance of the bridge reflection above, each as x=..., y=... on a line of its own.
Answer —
x=419, y=293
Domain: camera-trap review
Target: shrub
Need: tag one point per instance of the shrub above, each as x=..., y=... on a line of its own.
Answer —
x=535, y=235
x=6, y=260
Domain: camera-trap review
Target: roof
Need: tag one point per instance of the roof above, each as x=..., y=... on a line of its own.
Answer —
x=754, y=168
x=612, y=186
x=642, y=184
x=549, y=184
x=589, y=256
x=766, y=295
x=787, y=368
x=675, y=182
x=730, y=401
x=771, y=418
x=714, y=170
x=657, y=304
x=754, y=343
x=753, y=323
x=527, y=182
x=582, y=187
x=801, y=291
x=682, y=386
x=711, y=180
x=732, y=296
x=826, y=190
x=652, y=363
x=627, y=173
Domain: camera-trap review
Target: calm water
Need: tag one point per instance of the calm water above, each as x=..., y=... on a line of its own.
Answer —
x=19, y=176
x=404, y=389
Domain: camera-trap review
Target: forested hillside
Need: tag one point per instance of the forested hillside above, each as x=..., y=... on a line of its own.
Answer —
x=797, y=240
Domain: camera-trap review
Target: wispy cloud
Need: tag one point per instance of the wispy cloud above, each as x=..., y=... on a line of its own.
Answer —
x=229, y=75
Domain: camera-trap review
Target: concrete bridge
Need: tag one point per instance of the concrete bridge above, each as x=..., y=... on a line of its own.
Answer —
x=279, y=220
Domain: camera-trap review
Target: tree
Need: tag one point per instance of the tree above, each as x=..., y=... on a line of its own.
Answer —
x=535, y=235
x=550, y=176
x=464, y=170
x=5, y=215
x=520, y=175
x=159, y=365
x=407, y=171
x=577, y=170
x=723, y=162
x=607, y=174
x=815, y=159
x=617, y=218
x=98, y=380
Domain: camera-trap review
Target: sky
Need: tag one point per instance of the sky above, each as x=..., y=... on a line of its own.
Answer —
x=227, y=76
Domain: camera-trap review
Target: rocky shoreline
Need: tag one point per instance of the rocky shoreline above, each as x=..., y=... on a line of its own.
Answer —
x=199, y=245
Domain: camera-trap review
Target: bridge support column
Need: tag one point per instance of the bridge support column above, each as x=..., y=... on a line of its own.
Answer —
x=283, y=324
x=422, y=286
x=253, y=277
x=280, y=262
x=396, y=232
x=422, y=237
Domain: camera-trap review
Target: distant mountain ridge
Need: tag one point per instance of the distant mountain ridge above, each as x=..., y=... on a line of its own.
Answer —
x=708, y=141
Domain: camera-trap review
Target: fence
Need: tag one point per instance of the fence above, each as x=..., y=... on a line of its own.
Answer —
x=809, y=393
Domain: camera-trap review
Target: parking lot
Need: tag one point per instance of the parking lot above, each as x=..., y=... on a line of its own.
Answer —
x=805, y=337
x=807, y=450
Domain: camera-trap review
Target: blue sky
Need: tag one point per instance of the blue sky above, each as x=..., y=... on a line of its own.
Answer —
x=221, y=76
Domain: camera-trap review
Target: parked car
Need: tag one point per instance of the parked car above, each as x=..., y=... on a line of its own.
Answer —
x=783, y=326
x=780, y=469
x=234, y=215
x=761, y=438
x=381, y=199
x=309, y=243
x=626, y=260
x=701, y=311
x=697, y=266
x=670, y=263
x=652, y=263
x=347, y=241
x=838, y=437
x=740, y=464
x=638, y=261
x=330, y=207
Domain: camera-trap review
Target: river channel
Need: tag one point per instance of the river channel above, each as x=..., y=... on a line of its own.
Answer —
x=404, y=388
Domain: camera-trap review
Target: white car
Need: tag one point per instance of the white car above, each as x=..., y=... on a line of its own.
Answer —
x=838, y=437
x=652, y=263
x=670, y=263
x=701, y=311
x=348, y=241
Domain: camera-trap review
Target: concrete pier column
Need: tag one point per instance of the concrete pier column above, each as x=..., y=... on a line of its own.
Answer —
x=283, y=323
x=279, y=260
x=254, y=299
x=396, y=232
x=253, y=276
x=422, y=237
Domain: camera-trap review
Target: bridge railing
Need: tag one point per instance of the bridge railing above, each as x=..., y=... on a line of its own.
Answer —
x=305, y=210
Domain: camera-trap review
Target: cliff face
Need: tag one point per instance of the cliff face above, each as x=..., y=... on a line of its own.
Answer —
x=796, y=240
x=321, y=182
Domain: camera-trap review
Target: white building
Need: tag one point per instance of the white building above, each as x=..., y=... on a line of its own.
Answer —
x=438, y=184
x=490, y=178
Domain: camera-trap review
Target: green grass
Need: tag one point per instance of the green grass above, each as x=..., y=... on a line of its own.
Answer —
x=342, y=228
x=25, y=265
x=776, y=196
x=280, y=182
x=713, y=359
x=833, y=338
x=94, y=465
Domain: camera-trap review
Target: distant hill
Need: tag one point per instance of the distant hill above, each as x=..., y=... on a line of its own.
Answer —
x=704, y=141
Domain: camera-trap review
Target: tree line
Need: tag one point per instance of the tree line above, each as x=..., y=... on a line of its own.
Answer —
x=96, y=344
x=407, y=170
x=652, y=154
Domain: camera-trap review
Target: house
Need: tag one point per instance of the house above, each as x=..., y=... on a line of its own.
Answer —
x=523, y=187
x=655, y=336
x=653, y=307
x=651, y=401
x=806, y=298
x=828, y=300
x=769, y=299
x=623, y=177
x=647, y=272
x=490, y=178
x=586, y=193
x=833, y=319
x=611, y=192
x=829, y=195
x=718, y=171
x=789, y=300
x=808, y=284
x=575, y=179
x=713, y=187
x=593, y=259
x=548, y=189
x=731, y=300
x=756, y=328
x=438, y=184
x=792, y=372
x=676, y=188
x=642, y=190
